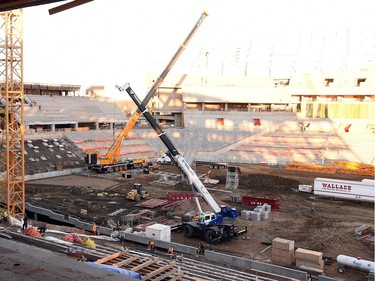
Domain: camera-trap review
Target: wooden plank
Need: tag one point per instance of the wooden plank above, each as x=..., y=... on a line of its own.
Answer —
x=111, y=257
x=178, y=277
x=126, y=261
x=266, y=249
x=165, y=275
x=159, y=270
x=145, y=264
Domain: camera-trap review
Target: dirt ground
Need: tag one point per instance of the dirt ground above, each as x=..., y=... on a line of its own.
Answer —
x=330, y=230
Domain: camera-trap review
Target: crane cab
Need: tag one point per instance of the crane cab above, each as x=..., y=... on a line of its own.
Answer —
x=207, y=218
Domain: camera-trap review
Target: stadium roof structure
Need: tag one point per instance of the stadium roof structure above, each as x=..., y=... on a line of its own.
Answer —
x=8, y=5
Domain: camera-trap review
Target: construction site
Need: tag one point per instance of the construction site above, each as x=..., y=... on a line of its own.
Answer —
x=187, y=184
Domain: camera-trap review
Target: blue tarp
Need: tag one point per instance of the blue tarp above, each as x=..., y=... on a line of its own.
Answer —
x=117, y=270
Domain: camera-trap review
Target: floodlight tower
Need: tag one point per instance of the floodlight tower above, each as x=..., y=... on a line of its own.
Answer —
x=12, y=181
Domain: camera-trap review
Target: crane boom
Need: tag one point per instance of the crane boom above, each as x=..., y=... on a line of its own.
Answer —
x=177, y=158
x=113, y=154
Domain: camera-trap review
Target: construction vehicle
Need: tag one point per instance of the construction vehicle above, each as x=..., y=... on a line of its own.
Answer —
x=137, y=193
x=110, y=162
x=164, y=160
x=214, y=226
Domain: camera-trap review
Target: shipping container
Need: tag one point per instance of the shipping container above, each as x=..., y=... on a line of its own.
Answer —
x=254, y=201
x=345, y=189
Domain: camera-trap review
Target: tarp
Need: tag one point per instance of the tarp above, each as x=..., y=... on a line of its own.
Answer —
x=72, y=238
x=31, y=231
x=58, y=241
x=117, y=270
x=88, y=242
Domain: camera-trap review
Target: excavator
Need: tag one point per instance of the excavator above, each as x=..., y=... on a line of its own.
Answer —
x=214, y=226
x=110, y=162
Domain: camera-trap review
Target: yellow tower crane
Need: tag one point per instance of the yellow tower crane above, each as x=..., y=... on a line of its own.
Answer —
x=12, y=167
x=12, y=182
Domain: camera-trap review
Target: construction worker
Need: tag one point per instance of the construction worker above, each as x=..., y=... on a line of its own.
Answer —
x=201, y=248
x=151, y=244
x=93, y=229
x=24, y=225
x=171, y=251
x=42, y=229
x=5, y=216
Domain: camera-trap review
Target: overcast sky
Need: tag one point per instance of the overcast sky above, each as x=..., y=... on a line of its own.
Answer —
x=109, y=42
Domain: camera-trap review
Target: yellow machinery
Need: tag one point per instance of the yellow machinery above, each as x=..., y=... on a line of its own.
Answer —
x=110, y=161
x=137, y=193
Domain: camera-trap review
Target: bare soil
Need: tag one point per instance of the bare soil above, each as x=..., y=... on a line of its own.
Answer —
x=330, y=230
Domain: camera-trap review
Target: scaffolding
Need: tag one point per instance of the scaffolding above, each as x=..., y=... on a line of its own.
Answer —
x=232, y=178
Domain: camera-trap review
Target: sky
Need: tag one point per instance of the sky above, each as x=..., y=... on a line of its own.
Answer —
x=109, y=42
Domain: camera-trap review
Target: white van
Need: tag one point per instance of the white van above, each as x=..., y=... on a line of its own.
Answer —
x=164, y=160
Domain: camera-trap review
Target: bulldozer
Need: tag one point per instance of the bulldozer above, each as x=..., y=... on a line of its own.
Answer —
x=137, y=193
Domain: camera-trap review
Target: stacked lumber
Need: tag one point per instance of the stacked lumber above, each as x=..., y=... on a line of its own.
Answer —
x=283, y=251
x=309, y=259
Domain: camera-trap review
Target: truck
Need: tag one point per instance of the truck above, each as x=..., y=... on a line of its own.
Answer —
x=213, y=226
x=165, y=159
x=345, y=189
x=110, y=162
x=354, y=263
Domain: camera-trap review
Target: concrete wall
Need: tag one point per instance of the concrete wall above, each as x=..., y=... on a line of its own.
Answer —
x=65, y=219
x=325, y=278
x=53, y=174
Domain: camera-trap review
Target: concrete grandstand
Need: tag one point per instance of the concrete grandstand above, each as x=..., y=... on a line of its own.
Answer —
x=272, y=100
x=244, y=137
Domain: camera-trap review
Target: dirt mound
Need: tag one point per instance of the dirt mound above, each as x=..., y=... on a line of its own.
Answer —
x=188, y=205
x=265, y=184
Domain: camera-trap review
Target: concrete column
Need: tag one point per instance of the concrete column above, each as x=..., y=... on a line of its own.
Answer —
x=111, y=125
x=53, y=128
x=76, y=126
x=203, y=106
x=226, y=106
x=96, y=125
